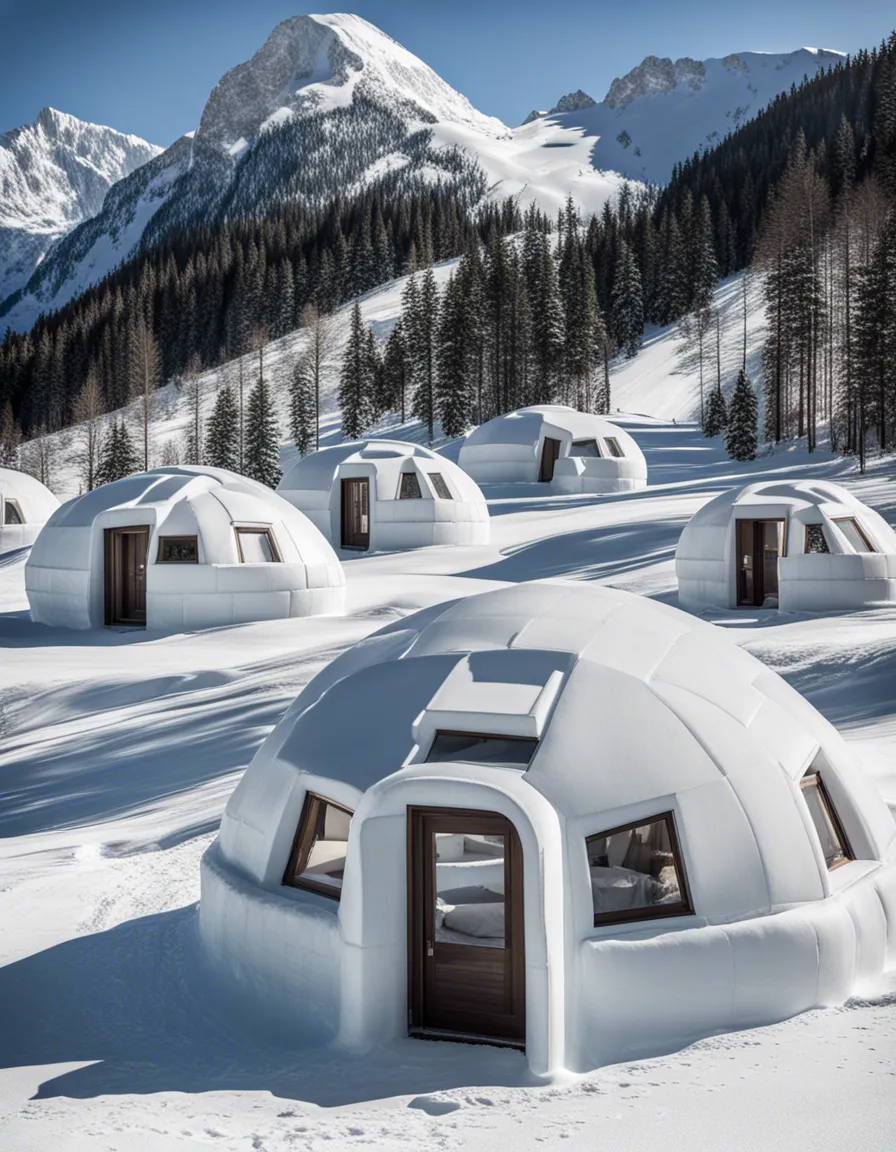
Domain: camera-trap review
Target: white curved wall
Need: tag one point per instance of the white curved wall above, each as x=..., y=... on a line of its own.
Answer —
x=32, y=500
x=313, y=484
x=508, y=450
x=65, y=573
x=702, y=729
x=840, y=580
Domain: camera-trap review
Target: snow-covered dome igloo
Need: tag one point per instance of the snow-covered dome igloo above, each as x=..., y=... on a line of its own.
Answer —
x=801, y=546
x=386, y=494
x=180, y=547
x=557, y=816
x=575, y=451
x=25, y=506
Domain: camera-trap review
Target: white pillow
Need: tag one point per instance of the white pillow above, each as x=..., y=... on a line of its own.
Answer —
x=484, y=920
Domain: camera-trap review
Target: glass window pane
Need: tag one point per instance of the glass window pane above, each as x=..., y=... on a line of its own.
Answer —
x=409, y=489
x=635, y=873
x=255, y=547
x=584, y=448
x=178, y=550
x=441, y=488
x=833, y=846
x=613, y=446
x=318, y=857
x=480, y=749
x=852, y=530
x=815, y=541
x=12, y=514
x=469, y=892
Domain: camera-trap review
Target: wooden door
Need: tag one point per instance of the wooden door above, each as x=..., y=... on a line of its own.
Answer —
x=126, y=552
x=466, y=961
x=356, y=514
x=760, y=544
x=550, y=452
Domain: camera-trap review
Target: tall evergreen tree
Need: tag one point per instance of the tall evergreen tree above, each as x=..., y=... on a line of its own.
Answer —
x=302, y=413
x=356, y=381
x=454, y=393
x=741, y=432
x=222, y=443
x=421, y=327
x=118, y=457
x=716, y=414
x=262, y=454
x=628, y=307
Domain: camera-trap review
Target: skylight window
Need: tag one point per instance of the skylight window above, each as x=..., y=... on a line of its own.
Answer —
x=481, y=748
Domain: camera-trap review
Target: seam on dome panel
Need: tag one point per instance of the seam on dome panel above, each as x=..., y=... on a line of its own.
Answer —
x=723, y=775
x=701, y=696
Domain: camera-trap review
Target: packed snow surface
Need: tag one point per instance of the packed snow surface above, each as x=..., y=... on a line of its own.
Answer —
x=119, y=750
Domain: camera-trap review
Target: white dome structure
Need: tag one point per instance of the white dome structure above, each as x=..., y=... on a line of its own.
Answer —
x=801, y=546
x=574, y=451
x=25, y=506
x=386, y=495
x=180, y=548
x=557, y=816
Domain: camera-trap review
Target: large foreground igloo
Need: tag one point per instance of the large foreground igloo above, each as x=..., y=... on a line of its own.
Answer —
x=180, y=547
x=25, y=506
x=574, y=451
x=801, y=546
x=556, y=816
x=384, y=495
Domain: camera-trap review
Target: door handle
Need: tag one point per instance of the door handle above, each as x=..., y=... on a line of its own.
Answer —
x=429, y=948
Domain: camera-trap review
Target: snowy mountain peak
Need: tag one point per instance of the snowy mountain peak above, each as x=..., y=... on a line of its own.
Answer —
x=654, y=76
x=316, y=63
x=54, y=173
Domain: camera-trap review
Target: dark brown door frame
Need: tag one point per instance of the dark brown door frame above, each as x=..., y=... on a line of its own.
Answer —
x=125, y=574
x=549, y=457
x=480, y=1019
x=351, y=510
x=750, y=532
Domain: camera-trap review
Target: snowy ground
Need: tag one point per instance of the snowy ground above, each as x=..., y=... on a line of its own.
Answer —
x=118, y=752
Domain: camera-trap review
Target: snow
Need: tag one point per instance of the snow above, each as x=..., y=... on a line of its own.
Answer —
x=671, y=110
x=119, y=750
x=55, y=173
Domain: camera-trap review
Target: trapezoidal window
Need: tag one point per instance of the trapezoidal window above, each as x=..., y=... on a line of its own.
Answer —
x=409, y=487
x=480, y=748
x=584, y=448
x=256, y=546
x=12, y=513
x=637, y=872
x=317, y=859
x=613, y=446
x=440, y=488
x=834, y=845
x=816, y=544
x=855, y=534
x=178, y=550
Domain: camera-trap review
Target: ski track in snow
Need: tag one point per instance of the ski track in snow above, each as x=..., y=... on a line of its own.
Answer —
x=119, y=750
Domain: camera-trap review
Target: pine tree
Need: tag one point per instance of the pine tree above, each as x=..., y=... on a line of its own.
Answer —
x=262, y=460
x=355, y=381
x=222, y=449
x=119, y=457
x=395, y=374
x=628, y=307
x=88, y=414
x=10, y=438
x=454, y=393
x=716, y=417
x=421, y=328
x=740, y=429
x=302, y=414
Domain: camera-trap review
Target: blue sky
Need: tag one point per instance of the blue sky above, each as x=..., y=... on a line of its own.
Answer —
x=148, y=67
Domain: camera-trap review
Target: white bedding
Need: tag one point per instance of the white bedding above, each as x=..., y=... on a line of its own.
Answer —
x=619, y=889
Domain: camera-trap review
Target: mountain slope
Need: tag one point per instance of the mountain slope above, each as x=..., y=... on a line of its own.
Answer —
x=663, y=111
x=54, y=174
x=327, y=105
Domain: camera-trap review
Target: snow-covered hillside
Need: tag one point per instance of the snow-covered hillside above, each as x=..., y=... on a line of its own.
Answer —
x=659, y=382
x=327, y=105
x=663, y=111
x=54, y=174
